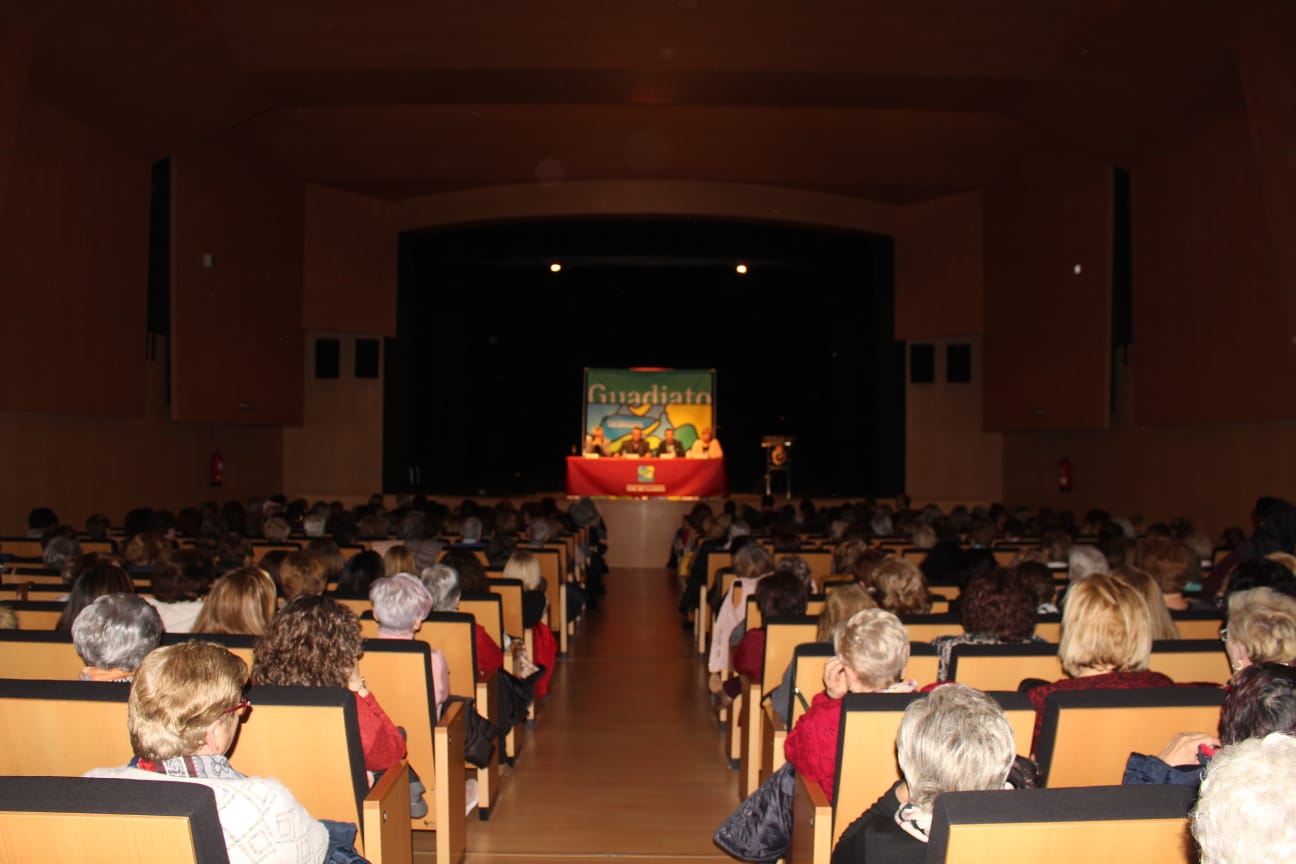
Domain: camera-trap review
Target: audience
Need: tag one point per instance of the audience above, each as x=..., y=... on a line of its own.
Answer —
x=400, y=603
x=995, y=608
x=241, y=602
x=112, y=636
x=179, y=588
x=95, y=576
x=1246, y=811
x=1261, y=628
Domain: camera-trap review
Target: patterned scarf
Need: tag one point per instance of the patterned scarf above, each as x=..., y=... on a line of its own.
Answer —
x=916, y=823
x=209, y=767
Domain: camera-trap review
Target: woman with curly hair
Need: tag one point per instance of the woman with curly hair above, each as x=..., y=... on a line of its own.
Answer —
x=315, y=642
x=898, y=586
x=995, y=608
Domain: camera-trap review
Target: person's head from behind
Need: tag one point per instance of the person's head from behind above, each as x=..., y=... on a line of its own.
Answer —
x=798, y=567
x=1261, y=699
x=1246, y=811
x=360, y=572
x=60, y=549
x=311, y=642
x=98, y=576
x=841, y=603
x=97, y=526
x=398, y=559
x=874, y=647
x=40, y=520
x=185, y=701
x=400, y=603
x=1039, y=579
x=999, y=604
x=472, y=575
x=1083, y=561
x=1261, y=628
x=1168, y=561
x=185, y=577
x=146, y=549
x=1163, y=625
x=471, y=529
x=116, y=631
x=1105, y=628
x=525, y=567
x=751, y=561
x=1262, y=573
x=955, y=739
x=442, y=583
x=302, y=572
x=899, y=586
x=240, y=602
x=781, y=594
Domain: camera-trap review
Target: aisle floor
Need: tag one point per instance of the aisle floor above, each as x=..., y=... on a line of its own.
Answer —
x=624, y=760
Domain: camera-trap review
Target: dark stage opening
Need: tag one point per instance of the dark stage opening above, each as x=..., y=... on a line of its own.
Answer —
x=483, y=389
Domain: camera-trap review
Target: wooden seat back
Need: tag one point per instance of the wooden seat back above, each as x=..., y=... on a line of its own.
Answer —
x=21, y=547
x=358, y=605
x=1203, y=624
x=814, y=608
x=1148, y=824
x=488, y=611
x=1088, y=734
x=808, y=661
x=116, y=821
x=866, y=758
x=66, y=727
x=1191, y=660
x=925, y=628
x=1003, y=667
x=782, y=636
x=39, y=655
x=37, y=614
x=510, y=594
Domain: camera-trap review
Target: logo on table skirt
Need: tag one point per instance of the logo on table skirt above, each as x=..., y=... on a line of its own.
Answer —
x=647, y=473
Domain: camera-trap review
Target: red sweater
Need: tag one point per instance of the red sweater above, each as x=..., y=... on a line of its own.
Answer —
x=1106, y=681
x=383, y=744
x=749, y=656
x=811, y=746
x=490, y=657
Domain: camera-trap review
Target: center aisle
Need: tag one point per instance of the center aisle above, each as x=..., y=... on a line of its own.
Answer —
x=625, y=759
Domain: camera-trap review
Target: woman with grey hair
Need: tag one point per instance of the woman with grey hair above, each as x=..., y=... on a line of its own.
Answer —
x=442, y=583
x=113, y=635
x=400, y=603
x=956, y=739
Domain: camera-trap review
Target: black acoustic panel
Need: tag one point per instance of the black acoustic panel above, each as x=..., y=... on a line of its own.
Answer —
x=327, y=363
x=366, y=358
x=958, y=363
x=922, y=363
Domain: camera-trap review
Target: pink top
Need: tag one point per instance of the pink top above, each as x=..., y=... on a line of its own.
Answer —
x=440, y=672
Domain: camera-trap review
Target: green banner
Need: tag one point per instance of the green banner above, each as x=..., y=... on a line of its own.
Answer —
x=679, y=399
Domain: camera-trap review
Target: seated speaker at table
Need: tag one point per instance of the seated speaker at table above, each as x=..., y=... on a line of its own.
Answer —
x=637, y=445
x=669, y=447
x=596, y=444
x=706, y=447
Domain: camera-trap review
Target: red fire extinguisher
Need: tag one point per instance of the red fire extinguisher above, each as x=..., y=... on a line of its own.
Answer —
x=217, y=469
x=1064, y=474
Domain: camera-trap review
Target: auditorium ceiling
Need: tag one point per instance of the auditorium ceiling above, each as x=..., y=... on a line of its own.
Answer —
x=890, y=100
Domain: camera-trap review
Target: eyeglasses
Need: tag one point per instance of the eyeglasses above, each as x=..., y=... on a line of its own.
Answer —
x=1224, y=635
x=240, y=708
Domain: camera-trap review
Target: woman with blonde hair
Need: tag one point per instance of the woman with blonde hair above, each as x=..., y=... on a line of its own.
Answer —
x=1106, y=642
x=871, y=650
x=240, y=602
x=398, y=559
x=1261, y=628
x=898, y=586
x=1163, y=626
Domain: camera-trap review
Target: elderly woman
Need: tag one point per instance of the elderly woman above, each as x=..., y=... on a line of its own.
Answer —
x=955, y=739
x=442, y=582
x=113, y=635
x=898, y=585
x=996, y=608
x=1261, y=627
x=1106, y=642
x=871, y=652
x=315, y=642
x=751, y=563
x=400, y=603
x=1246, y=811
x=183, y=715
x=524, y=566
x=1261, y=699
x=241, y=602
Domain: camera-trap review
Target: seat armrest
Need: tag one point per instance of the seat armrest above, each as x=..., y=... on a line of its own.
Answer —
x=812, y=824
x=386, y=814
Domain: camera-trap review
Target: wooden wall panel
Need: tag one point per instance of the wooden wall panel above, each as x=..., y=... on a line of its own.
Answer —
x=1210, y=341
x=939, y=284
x=73, y=263
x=236, y=325
x=338, y=448
x=15, y=58
x=81, y=465
x=349, y=279
x=1047, y=325
x=948, y=456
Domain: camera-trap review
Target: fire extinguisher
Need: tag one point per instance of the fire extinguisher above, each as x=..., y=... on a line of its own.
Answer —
x=1064, y=474
x=217, y=469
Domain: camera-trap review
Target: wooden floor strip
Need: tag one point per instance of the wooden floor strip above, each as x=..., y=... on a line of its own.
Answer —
x=625, y=761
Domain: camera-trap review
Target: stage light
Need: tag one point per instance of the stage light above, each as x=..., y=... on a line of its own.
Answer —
x=555, y=267
x=741, y=269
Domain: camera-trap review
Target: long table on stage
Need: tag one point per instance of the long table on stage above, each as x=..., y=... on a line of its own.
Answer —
x=614, y=477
